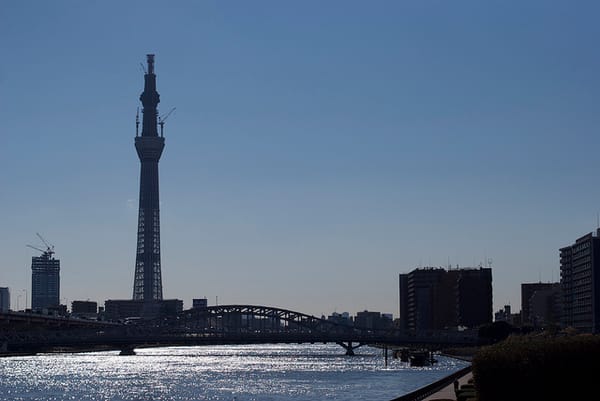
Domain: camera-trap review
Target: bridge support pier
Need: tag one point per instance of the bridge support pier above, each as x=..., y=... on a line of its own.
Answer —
x=127, y=350
x=385, y=353
x=349, y=347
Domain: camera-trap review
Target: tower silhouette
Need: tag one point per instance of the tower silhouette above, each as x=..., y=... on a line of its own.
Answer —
x=147, y=284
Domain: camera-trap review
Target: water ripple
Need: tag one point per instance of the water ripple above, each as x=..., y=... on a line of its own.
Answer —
x=216, y=373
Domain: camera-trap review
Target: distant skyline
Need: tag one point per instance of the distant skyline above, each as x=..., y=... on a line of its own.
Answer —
x=317, y=149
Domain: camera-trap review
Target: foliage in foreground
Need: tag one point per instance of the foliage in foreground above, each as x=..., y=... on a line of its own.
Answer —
x=536, y=368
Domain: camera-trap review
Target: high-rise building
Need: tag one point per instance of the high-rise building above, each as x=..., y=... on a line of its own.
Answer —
x=4, y=299
x=434, y=298
x=147, y=284
x=403, y=289
x=45, y=281
x=580, y=284
x=425, y=296
x=473, y=296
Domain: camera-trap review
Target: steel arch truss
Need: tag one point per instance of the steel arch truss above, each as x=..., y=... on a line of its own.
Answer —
x=256, y=318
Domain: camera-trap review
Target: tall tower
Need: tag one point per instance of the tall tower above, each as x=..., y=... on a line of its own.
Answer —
x=147, y=284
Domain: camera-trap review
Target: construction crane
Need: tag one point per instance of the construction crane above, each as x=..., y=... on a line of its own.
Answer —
x=36, y=248
x=49, y=247
x=47, y=253
x=161, y=120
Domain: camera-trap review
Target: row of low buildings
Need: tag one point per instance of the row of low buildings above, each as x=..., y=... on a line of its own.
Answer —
x=365, y=320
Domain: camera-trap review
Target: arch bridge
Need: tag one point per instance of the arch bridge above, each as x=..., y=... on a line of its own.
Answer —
x=223, y=324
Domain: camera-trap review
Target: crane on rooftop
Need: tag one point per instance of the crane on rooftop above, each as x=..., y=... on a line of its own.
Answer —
x=161, y=120
x=49, y=247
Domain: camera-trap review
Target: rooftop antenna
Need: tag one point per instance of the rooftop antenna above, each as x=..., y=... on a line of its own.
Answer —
x=137, y=122
x=161, y=121
x=143, y=68
x=150, y=61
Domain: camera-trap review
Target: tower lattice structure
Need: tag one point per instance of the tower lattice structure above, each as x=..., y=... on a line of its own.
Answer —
x=147, y=285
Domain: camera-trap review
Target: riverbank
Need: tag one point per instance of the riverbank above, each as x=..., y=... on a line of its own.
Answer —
x=443, y=389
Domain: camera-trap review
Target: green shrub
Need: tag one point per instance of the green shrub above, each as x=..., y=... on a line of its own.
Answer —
x=536, y=368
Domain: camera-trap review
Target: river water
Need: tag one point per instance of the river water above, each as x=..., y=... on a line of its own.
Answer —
x=239, y=372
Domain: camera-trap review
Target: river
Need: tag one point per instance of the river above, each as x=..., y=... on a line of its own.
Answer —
x=228, y=373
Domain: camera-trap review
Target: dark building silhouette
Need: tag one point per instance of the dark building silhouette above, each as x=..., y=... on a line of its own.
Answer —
x=147, y=283
x=199, y=303
x=116, y=309
x=403, y=289
x=503, y=315
x=341, y=318
x=372, y=320
x=84, y=309
x=474, y=296
x=435, y=298
x=4, y=299
x=45, y=281
x=580, y=284
x=540, y=303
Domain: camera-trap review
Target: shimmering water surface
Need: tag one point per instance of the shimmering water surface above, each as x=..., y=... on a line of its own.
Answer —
x=241, y=373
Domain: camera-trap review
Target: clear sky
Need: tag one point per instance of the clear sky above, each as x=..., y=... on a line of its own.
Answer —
x=317, y=150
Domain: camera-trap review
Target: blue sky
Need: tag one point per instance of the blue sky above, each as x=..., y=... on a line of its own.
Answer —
x=317, y=149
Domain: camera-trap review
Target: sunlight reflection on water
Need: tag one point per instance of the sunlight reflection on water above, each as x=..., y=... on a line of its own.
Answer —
x=243, y=373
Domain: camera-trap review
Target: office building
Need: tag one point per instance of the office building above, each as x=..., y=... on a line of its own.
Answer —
x=4, y=299
x=199, y=303
x=118, y=309
x=433, y=298
x=580, y=284
x=86, y=309
x=540, y=304
x=473, y=296
x=373, y=320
